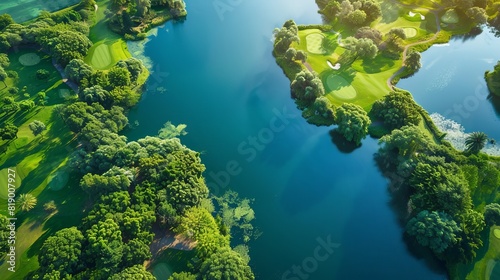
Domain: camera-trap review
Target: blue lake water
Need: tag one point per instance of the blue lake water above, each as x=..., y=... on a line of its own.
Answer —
x=451, y=82
x=219, y=77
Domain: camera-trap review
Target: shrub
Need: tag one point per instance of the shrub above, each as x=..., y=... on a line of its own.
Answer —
x=42, y=74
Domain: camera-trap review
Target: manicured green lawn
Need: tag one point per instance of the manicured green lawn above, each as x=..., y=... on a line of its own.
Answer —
x=36, y=158
x=108, y=47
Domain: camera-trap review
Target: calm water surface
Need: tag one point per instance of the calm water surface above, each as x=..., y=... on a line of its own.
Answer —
x=221, y=80
x=451, y=82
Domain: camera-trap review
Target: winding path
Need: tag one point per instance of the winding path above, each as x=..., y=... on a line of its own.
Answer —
x=405, y=51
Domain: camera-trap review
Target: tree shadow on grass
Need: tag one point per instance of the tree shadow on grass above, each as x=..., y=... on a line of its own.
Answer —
x=390, y=11
x=342, y=144
x=371, y=66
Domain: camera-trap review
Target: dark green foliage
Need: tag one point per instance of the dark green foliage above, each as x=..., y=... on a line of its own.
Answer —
x=412, y=61
x=79, y=114
x=8, y=131
x=187, y=185
x=364, y=48
x=134, y=272
x=436, y=230
x=225, y=264
x=77, y=70
x=105, y=245
x=369, y=33
x=103, y=184
x=5, y=20
x=306, y=87
x=323, y=108
x=4, y=60
x=492, y=214
x=61, y=252
x=475, y=142
x=133, y=66
x=471, y=224
x=96, y=94
x=396, y=110
x=118, y=77
x=285, y=36
x=352, y=121
x=135, y=252
x=439, y=186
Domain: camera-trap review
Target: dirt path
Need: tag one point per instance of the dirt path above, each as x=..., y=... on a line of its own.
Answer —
x=405, y=51
x=165, y=239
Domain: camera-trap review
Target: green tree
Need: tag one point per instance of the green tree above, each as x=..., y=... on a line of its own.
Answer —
x=405, y=142
x=77, y=70
x=475, y=142
x=5, y=20
x=306, y=87
x=353, y=122
x=412, y=61
x=195, y=222
x=26, y=202
x=285, y=36
x=396, y=110
x=182, y=276
x=61, y=252
x=209, y=242
x=133, y=272
x=363, y=47
x=37, y=127
x=492, y=214
x=119, y=77
x=3, y=76
x=369, y=33
x=324, y=108
x=225, y=264
x=8, y=131
x=477, y=15
x=105, y=245
x=356, y=18
x=436, y=230
x=4, y=60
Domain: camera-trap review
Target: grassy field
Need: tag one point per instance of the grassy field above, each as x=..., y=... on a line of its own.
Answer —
x=36, y=158
x=108, y=47
x=23, y=10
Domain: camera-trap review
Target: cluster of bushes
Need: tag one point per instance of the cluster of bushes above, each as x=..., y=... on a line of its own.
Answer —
x=132, y=18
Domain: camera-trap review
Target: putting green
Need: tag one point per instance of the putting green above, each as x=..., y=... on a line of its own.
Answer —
x=410, y=32
x=29, y=59
x=450, y=17
x=340, y=87
x=496, y=232
x=314, y=43
x=101, y=58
